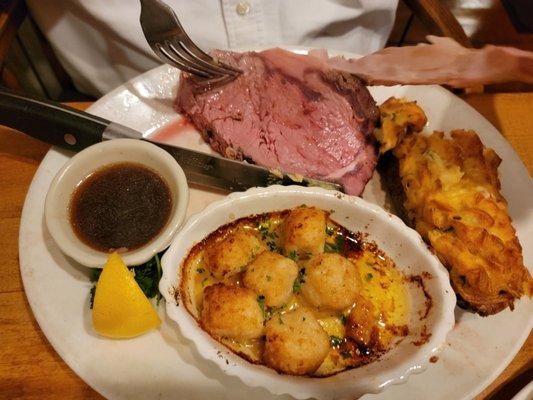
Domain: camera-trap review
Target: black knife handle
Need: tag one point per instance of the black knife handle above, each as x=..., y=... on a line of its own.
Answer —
x=51, y=122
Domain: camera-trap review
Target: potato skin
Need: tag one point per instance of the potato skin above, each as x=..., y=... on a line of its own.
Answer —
x=231, y=311
x=305, y=231
x=272, y=276
x=331, y=282
x=230, y=255
x=295, y=343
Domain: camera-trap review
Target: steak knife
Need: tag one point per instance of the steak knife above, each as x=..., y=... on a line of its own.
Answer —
x=76, y=130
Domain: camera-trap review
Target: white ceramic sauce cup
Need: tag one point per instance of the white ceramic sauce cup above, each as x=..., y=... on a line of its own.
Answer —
x=93, y=158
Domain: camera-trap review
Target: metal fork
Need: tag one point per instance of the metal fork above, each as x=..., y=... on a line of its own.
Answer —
x=170, y=42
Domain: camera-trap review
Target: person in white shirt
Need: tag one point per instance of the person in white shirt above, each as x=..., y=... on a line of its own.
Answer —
x=101, y=45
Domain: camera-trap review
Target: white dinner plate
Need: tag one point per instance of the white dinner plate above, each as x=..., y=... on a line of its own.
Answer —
x=162, y=364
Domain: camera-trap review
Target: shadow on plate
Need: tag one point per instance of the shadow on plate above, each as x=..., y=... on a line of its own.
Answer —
x=73, y=268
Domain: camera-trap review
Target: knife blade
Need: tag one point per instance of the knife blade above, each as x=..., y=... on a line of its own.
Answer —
x=76, y=130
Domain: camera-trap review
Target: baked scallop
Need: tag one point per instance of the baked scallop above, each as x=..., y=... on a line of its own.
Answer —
x=232, y=254
x=231, y=311
x=271, y=275
x=332, y=282
x=295, y=342
x=305, y=231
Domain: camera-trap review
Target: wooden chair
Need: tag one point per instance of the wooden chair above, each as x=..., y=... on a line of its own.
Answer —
x=435, y=16
x=438, y=19
x=38, y=74
x=12, y=13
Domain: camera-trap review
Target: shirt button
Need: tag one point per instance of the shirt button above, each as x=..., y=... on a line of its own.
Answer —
x=243, y=8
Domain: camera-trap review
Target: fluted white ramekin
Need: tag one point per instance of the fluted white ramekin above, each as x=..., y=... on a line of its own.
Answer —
x=427, y=335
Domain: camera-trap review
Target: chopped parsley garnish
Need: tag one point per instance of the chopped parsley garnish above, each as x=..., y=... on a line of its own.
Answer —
x=335, y=341
x=296, y=286
x=337, y=247
x=293, y=255
x=329, y=230
x=299, y=281
x=263, y=230
x=269, y=236
x=274, y=247
x=431, y=155
x=200, y=270
x=343, y=319
x=261, y=302
x=345, y=355
x=266, y=233
x=369, y=277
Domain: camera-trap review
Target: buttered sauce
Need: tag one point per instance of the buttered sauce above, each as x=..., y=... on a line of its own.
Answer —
x=383, y=286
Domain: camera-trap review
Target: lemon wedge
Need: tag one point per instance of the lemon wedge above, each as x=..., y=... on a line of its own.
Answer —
x=120, y=308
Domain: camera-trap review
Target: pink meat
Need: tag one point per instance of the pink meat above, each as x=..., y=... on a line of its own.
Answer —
x=442, y=62
x=288, y=112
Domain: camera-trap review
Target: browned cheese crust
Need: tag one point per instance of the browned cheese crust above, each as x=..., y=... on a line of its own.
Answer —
x=453, y=199
x=398, y=117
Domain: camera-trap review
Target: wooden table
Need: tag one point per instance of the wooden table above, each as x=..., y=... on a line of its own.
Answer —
x=29, y=366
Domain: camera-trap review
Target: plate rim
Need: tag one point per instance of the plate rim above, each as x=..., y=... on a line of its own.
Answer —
x=53, y=151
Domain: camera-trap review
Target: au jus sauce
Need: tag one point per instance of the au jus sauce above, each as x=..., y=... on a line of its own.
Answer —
x=121, y=206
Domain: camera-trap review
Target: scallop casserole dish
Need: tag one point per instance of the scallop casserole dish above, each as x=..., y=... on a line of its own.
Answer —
x=307, y=291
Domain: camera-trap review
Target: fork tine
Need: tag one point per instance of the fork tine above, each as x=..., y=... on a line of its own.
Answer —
x=194, y=51
x=170, y=42
x=190, y=47
x=201, y=64
x=219, y=68
x=182, y=64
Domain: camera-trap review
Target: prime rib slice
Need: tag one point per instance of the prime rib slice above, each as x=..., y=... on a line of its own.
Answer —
x=288, y=112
